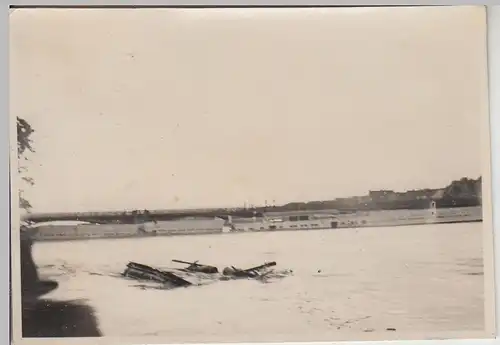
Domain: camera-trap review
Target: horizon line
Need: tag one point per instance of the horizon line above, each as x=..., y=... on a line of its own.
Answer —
x=244, y=207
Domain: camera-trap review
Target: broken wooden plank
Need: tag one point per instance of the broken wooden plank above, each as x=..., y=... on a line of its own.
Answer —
x=141, y=271
x=252, y=272
x=266, y=265
x=196, y=267
x=175, y=279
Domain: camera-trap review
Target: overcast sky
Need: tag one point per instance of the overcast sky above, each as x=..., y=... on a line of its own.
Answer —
x=164, y=108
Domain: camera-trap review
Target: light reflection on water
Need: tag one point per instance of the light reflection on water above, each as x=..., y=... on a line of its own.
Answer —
x=414, y=278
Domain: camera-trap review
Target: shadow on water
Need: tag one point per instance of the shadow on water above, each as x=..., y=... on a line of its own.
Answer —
x=44, y=317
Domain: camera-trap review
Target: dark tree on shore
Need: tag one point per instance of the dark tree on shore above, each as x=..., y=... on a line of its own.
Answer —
x=43, y=317
x=24, y=145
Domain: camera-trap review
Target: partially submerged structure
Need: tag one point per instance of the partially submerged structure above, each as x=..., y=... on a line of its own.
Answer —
x=173, y=278
x=143, y=272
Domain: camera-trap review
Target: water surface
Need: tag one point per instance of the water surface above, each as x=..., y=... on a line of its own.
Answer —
x=407, y=279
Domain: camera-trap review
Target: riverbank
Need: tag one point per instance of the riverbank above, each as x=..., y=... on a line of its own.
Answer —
x=221, y=232
x=217, y=226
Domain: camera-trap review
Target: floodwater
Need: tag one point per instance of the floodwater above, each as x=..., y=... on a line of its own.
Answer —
x=345, y=282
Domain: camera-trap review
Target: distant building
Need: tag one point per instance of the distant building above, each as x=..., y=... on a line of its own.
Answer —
x=363, y=199
x=377, y=195
x=438, y=195
x=300, y=213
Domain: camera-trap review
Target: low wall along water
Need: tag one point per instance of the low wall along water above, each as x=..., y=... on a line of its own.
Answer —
x=213, y=226
x=411, y=217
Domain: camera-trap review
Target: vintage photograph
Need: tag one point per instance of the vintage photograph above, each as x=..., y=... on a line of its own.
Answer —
x=189, y=175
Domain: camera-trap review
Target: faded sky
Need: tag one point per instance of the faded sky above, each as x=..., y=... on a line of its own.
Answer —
x=201, y=108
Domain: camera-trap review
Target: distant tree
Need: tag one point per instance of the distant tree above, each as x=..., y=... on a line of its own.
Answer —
x=24, y=145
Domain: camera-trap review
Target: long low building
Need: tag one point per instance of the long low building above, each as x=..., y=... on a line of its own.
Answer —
x=289, y=220
x=84, y=230
x=330, y=219
x=271, y=221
